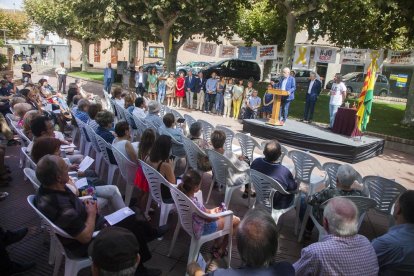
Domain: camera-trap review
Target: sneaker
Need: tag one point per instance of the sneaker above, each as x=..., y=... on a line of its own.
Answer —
x=3, y=195
x=162, y=230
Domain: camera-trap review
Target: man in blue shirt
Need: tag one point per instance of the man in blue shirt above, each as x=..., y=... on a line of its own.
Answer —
x=288, y=83
x=82, y=111
x=109, y=78
x=270, y=166
x=211, y=90
x=395, y=249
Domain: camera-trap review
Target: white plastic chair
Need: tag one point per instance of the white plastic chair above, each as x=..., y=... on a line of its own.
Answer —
x=385, y=192
x=72, y=266
x=192, y=153
x=128, y=171
x=108, y=102
x=85, y=142
x=304, y=166
x=177, y=115
x=120, y=112
x=28, y=162
x=265, y=188
x=331, y=169
x=155, y=180
x=31, y=175
x=96, y=148
x=247, y=144
x=186, y=208
x=228, y=144
x=207, y=130
x=133, y=126
x=362, y=203
x=189, y=120
x=223, y=173
x=141, y=126
x=106, y=149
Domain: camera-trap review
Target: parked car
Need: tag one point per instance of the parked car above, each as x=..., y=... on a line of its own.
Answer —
x=301, y=77
x=158, y=64
x=194, y=66
x=234, y=68
x=355, y=81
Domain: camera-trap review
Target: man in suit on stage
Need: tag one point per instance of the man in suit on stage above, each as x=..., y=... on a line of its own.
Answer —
x=287, y=83
x=190, y=85
x=313, y=91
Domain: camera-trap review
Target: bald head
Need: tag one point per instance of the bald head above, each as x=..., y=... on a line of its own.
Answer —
x=272, y=151
x=341, y=217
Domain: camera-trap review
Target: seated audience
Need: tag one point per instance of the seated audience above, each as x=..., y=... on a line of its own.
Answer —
x=345, y=177
x=118, y=97
x=19, y=110
x=195, y=135
x=270, y=166
x=122, y=142
x=169, y=128
x=160, y=160
x=82, y=111
x=114, y=251
x=81, y=218
x=218, y=138
x=342, y=251
x=144, y=149
x=191, y=185
x=257, y=243
x=105, y=120
x=140, y=107
x=395, y=249
x=27, y=120
x=152, y=116
x=92, y=111
x=129, y=103
x=72, y=92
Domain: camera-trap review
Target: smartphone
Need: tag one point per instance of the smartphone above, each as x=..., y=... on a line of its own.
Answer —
x=180, y=120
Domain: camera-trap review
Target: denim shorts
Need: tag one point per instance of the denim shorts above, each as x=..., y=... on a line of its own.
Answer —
x=210, y=228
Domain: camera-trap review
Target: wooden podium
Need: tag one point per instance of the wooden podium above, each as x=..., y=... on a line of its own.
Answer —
x=276, y=106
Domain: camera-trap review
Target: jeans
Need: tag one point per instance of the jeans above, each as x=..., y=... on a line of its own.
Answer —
x=236, y=107
x=62, y=82
x=227, y=107
x=112, y=194
x=284, y=110
x=161, y=92
x=200, y=100
x=108, y=85
x=189, y=96
x=209, y=101
x=140, y=89
x=332, y=113
x=219, y=103
x=309, y=108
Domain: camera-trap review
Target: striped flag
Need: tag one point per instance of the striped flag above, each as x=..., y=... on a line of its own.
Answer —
x=366, y=97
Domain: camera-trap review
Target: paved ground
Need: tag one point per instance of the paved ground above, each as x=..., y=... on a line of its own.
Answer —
x=15, y=212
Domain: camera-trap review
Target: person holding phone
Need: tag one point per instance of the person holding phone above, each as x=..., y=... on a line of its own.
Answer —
x=170, y=127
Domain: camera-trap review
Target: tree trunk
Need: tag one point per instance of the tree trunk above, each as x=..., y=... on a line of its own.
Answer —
x=267, y=68
x=85, y=55
x=290, y=40
x=170, y=54
x=409, y=109
x=133, y=49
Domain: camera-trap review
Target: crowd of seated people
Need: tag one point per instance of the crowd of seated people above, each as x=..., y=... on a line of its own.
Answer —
x=342, y=252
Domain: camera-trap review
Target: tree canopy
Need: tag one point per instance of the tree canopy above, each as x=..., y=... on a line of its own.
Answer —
x=16, y=23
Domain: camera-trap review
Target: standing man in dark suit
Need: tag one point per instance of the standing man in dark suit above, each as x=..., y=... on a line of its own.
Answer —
x=190, y=85
x=140, y=81
x=314, y=89
x=199, y=90
x=287, y=83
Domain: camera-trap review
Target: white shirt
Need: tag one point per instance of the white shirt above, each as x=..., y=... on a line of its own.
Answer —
x=284, y=81
x=140, y=77
x=120, y=102
x=139, y=113
x=336, y=93
x=310, y=86
x=61, y=71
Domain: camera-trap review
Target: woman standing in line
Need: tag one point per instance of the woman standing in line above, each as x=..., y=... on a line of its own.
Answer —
x=152, y=84
x=170, y=91
x=180, y=93
x=237, y=98
x=227, y=98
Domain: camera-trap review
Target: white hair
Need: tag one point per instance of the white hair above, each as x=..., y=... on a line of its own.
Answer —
x=346, y=175
x=342, y=217
x=286, y=69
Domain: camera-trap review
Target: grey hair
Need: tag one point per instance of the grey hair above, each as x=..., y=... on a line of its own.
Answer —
x=342, y=216
x=286, y=68
x=346, y=175
x=83, y=103
x=130, y=271
x=313, y=73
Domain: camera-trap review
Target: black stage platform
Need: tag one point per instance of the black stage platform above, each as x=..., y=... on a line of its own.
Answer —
x=317, y=140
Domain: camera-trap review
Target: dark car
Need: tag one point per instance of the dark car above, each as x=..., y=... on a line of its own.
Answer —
x=355, y=81
x=234, y=68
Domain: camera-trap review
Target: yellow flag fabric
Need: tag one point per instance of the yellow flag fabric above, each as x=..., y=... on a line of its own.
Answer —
x=366, y=97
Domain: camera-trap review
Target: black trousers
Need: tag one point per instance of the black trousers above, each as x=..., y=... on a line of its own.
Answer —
x=140, y=89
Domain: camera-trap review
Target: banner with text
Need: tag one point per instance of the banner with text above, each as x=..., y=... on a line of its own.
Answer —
x=208, y=49
x=268, y=52
x=248, y=53
x=400, y=57
x=353, y=56
x=227, y=51
x=302, y=56
x=191, y=46
x=325, y=55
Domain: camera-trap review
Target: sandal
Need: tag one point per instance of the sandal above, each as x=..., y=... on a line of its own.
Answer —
x=3, y=195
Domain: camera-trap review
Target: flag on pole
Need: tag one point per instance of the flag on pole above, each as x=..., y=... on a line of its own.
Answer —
x=366, y=97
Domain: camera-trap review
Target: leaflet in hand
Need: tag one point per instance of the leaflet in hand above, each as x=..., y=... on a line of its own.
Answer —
x=81, y=183
x=63, y=147
x=119, y=215
x=85, y=164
